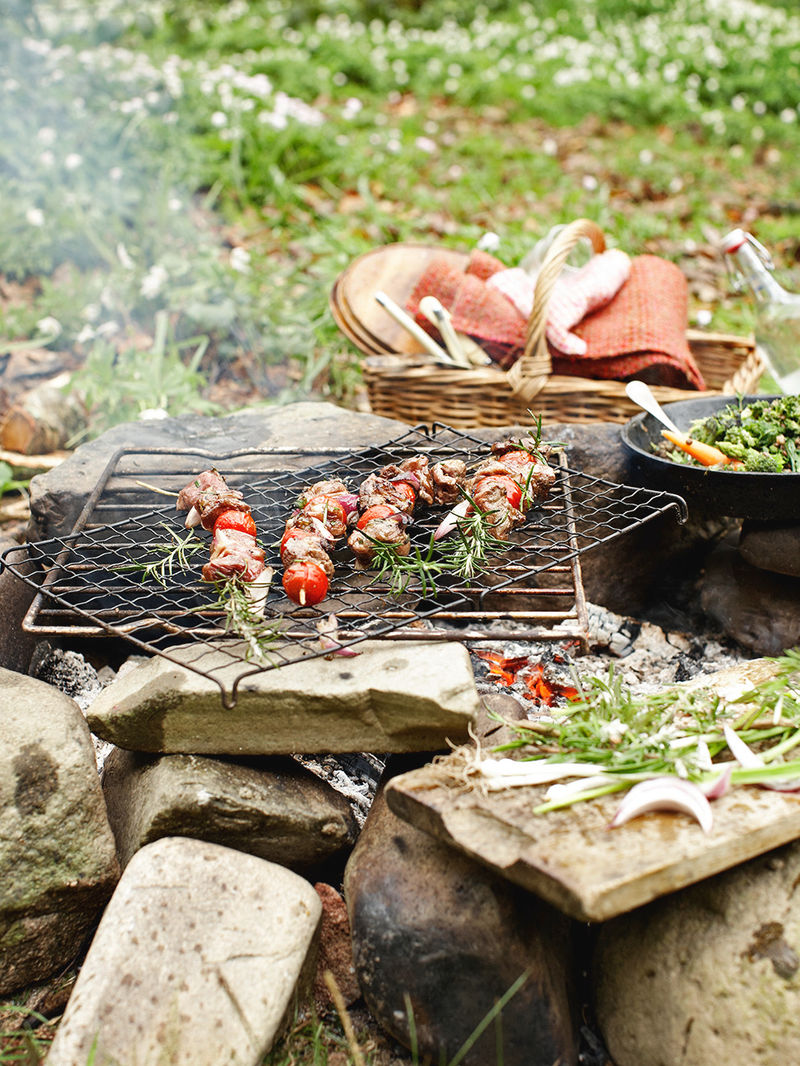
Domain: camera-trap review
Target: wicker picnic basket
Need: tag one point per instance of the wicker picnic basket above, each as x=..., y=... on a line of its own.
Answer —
x=403, y=382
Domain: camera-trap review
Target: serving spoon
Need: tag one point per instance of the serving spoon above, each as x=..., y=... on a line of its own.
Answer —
x=641, y=394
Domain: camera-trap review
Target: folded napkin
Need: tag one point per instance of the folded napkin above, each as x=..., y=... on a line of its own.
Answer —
x=640, y=332
x=574, y=295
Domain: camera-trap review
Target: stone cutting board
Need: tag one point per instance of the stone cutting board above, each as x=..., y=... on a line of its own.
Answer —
x=570, y=857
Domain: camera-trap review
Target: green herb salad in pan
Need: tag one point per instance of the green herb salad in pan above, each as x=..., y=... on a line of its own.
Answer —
x=761, y=436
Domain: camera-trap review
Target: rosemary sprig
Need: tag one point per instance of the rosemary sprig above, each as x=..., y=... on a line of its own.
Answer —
x=401, y=570
x=467, y=550
x=173, y=555
x=242, y=616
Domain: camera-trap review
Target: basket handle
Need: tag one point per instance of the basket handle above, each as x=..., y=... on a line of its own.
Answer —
x=530, y=372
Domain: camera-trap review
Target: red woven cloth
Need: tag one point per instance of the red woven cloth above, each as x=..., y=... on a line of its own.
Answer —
x=640, y=333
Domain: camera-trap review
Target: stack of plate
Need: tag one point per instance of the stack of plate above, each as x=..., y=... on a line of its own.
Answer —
x=395, y=270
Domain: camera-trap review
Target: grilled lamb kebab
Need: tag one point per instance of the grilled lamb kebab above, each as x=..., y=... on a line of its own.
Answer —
x=324, y=513
x=222, y=510
x=387, y=501
x=505, y=486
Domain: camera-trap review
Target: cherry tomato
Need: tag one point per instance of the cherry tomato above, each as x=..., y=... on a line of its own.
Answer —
x=380, y=510
x=241, y=520
x=305, y=582
x=512, y=490
x=407, y=490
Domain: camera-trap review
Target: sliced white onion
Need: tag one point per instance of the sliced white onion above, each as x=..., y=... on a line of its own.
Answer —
x=450, y=520
x=510, y=773
x=569, y=789
x=740, y=751
x=664, y=794
x=192, y=518
x=257, y=590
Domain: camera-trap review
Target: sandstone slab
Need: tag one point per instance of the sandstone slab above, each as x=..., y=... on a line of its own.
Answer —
x=569, y=857
x=272, y=808
x=195, y=961
x=57, y=861
x=709, y=974
x=439, y=940
x=395, y=696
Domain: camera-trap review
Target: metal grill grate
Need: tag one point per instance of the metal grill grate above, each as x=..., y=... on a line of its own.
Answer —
x=533, y=591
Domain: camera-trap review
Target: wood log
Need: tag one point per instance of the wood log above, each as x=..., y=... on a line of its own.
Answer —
x=42, y=419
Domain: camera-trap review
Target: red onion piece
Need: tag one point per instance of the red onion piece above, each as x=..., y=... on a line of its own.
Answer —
x=349, y=501
x=412, y=479
x=720, y=785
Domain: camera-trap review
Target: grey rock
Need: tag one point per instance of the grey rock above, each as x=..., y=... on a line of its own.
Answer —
x=759, y=609
x=272, y=808
x=57, y=861
x=195, y=962
x=708, y=974
x=393, y=697
x=772, y=546
x=434, y=930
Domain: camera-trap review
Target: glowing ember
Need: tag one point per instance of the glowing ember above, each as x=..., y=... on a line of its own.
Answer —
x=507, y=671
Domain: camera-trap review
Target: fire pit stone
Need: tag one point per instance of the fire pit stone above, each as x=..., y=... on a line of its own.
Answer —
x=392, y=697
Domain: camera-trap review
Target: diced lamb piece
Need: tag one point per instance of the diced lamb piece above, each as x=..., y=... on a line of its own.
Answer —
x=490, y=497
x=211, y=503
x=448, y=478
x=418, y=466
x=322, y=488
x=376, y=489
x=305, y=545
x=233, y=553
x=383, y=530
x=209, y=479
x=541, y=480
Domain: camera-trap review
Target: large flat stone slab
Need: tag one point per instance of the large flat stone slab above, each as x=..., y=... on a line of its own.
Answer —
x=57, y=862
x=195, y=962
x=395, y=696
x=570, y=857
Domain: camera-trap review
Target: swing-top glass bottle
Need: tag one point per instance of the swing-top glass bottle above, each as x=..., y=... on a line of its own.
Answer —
x=777, y=321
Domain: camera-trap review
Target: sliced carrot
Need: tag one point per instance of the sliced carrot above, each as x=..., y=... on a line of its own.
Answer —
x=706, y=454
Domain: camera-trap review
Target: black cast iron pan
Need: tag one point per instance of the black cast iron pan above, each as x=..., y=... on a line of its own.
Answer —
x=736, y=494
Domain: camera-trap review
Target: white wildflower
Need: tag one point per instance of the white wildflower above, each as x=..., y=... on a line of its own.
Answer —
x=86, y=334
x=489, y=242
x=35, y=216
x=73, y=160
x=153, y=281
x=115, y=173
x=49, y=325
x=240, y=260
x=425, y=144
x=124, y=256
x=219, y=119
x=46, y=136
x=153, y=414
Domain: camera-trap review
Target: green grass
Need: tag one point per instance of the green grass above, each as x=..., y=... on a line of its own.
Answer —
x=221, y=164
